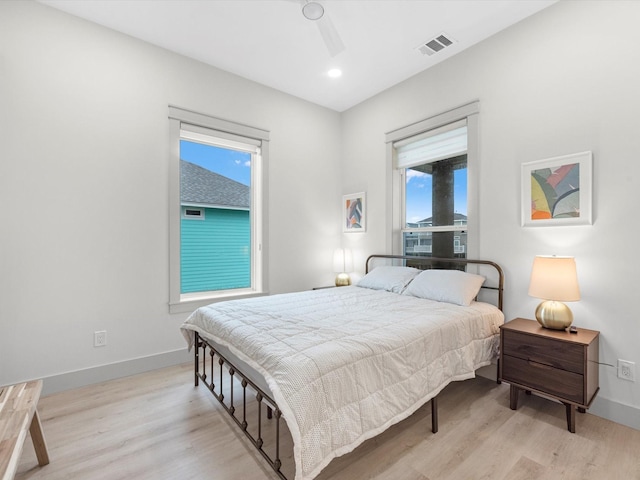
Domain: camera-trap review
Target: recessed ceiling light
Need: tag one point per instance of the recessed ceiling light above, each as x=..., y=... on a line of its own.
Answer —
x=335, y=73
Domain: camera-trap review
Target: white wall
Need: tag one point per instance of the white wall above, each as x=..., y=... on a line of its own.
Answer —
x=84, y=177
x=84, y=189
x=563, y=81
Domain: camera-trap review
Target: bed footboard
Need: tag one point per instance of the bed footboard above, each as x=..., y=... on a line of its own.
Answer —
x=209, y=365
x=208, y=359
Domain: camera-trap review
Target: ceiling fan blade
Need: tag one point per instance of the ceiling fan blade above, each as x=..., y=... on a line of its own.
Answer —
x=330, y=35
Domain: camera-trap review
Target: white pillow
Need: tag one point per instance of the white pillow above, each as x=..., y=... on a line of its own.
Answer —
x=391, y=279
x=451, y=286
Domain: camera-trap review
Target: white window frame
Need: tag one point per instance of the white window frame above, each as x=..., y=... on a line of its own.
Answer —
x=184, y=124
x=395, y=180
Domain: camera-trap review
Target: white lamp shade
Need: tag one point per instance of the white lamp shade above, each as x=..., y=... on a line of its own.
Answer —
x=342, y=260
x=554, y=278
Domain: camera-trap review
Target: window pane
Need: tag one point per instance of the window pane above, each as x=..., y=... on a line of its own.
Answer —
x=215, y=247
x=425, y=244
x=436, y=193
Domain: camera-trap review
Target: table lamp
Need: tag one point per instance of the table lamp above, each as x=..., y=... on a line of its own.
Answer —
x=342, y=263
x=555, y=280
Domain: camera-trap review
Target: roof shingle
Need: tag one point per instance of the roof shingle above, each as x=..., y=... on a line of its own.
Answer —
x=204, y=187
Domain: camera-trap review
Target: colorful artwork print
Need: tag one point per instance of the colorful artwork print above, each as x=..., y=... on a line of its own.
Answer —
x=555, y=192
x=353, y=211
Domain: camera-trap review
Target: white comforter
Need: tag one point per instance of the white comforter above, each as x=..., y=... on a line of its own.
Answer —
x=346, y=363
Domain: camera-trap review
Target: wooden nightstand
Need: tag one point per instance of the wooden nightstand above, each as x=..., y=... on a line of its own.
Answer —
x=553, y=363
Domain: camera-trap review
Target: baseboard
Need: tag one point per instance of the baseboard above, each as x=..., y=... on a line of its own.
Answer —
x=616, y=412
x=490, y=372
x=103, y=373
x=601, y=407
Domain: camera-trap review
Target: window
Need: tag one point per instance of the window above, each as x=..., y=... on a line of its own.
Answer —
x=216, y=179
x=433, y=167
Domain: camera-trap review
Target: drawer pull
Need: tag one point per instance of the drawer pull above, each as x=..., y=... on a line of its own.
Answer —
x=543, y=366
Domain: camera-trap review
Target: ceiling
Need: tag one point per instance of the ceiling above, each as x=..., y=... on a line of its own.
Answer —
x=272, y=43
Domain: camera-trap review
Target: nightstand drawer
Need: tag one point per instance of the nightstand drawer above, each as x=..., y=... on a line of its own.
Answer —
x=556, y=353
x=544, y=378
x=555, y=363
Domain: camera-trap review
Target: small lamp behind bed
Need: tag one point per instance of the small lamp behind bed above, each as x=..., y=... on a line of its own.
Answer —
x=555, y=280
x=342, y=263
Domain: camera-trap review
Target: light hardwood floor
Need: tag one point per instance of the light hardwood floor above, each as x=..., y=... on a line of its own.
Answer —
x=159, y=426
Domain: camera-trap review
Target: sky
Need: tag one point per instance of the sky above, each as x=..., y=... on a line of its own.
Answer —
x=229, y=163
x=418, y=194
x=237, y=166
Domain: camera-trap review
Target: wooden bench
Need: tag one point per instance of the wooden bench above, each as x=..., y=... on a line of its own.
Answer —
x=18, y=412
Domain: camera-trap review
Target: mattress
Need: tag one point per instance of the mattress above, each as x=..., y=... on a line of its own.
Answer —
x=344, y=364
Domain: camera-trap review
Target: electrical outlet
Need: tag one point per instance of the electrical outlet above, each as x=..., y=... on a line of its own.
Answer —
x=100, y=338
x=627, y=370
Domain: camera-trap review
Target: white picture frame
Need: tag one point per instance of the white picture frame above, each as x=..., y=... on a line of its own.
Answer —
x=354, y=214
x=557, y=191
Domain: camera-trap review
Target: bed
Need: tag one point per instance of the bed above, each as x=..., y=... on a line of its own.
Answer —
x=341, y=365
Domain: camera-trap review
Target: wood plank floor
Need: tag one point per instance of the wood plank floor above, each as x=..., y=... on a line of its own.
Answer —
x=159, y=426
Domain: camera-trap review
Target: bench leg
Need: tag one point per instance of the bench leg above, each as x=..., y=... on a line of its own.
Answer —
x=39, y=443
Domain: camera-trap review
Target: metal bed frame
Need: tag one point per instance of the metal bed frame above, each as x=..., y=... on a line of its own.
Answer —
x=204, y=349
x=200, y=362
x=425, y=263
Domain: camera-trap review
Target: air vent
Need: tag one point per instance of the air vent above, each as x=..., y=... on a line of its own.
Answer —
x=436, y=44
x=192, y=213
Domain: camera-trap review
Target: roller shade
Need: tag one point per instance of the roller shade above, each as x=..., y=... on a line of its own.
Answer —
x=444, y=142
x=219, y=139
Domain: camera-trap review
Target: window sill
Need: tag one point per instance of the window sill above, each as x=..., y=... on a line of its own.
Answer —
x=188, y=305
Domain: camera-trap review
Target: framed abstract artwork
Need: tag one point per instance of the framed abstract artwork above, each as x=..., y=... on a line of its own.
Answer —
x=557, y=191
x=354, y=213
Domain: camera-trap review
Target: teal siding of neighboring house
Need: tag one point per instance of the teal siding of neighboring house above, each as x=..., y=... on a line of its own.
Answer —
x=216, y=251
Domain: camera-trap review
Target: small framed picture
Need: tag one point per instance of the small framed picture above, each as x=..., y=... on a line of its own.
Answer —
x=354, y=213
x=557, y=191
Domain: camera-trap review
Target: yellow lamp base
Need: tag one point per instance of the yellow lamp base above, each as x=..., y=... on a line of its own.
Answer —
x=343, y=280
x=554, y=315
